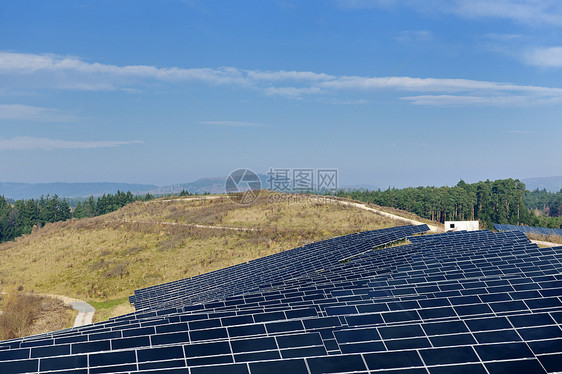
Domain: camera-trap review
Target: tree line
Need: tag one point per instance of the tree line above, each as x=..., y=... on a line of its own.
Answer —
x=499, y=201
x=106, y=204
x=544, y=202
x=20, y=217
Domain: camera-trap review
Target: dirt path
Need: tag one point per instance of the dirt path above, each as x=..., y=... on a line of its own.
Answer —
x=193, y=225
x=85, y=310
x=546, y=244
x=432, y=228
x=191, y=198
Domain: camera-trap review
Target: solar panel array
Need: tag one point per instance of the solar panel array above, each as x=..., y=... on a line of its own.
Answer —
x=459, y=302
x=268, y=270
x=528, y=229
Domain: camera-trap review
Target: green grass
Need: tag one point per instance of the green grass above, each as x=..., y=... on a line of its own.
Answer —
x=109, y=303
x=110, y=308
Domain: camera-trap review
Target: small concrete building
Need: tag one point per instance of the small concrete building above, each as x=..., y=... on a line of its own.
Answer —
x=461, y=225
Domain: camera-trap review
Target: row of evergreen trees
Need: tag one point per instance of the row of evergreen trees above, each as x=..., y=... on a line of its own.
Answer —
x=544, y=202
x=106, y=204
x=500, y=201
x=19, y=218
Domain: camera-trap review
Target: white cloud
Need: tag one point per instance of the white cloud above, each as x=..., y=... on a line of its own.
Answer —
x=460, y=100
x=68, y=72
x=33, y=143
x=71, y=73
x=292, y=92
x=526, y=11
x=283, y=75
x=437, y=85
x=32, y=113
x=32, y=63
x=475, y=100
x=545, y=57
x=534, y=12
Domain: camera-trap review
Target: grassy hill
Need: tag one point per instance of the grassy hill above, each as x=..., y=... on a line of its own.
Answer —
x=104, y=259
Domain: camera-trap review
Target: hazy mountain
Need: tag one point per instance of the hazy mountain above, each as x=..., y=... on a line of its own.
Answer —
x=216, y=185
x=552, y=184
x=361, y=187
x=35, y=190
x=212, y=185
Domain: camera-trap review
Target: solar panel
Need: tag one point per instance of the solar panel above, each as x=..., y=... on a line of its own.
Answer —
x=459, y=302
x=528, y=229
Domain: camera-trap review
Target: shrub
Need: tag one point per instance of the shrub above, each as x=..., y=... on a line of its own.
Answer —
x=19, y=312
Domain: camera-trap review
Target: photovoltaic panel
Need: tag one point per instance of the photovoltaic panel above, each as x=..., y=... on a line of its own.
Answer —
x=459, y=302
x=528, y=229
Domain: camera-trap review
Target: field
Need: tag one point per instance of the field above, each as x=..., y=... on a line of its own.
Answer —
x=104, y=259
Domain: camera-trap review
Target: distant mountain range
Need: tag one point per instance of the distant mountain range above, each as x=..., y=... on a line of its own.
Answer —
x=211, y=185
x=18, y=191
x=552, y=184
x=215, y=185
x=361, y=187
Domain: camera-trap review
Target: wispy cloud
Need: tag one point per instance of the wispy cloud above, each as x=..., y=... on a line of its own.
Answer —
x=533, y=12
x=80, y=75
x=293, y=92
x=32, y=143
x=550, y=57
x=460, y=100
x=232, y=123
x=32, y=113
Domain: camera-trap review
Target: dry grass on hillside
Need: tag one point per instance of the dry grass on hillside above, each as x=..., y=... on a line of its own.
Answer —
x=545, y=238
x=108, y=257
x=24, y=314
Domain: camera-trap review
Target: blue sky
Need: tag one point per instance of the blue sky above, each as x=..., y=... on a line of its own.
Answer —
x=389, y=92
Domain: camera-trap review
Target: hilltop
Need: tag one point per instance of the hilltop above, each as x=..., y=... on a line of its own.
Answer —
x=104, y=259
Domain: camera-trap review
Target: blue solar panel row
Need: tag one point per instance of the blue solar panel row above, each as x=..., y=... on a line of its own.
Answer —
x=528, y=229
x=460, y=302
x=247, y=276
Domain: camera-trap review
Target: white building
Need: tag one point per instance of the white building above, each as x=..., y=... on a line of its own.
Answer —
x=461, y=225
